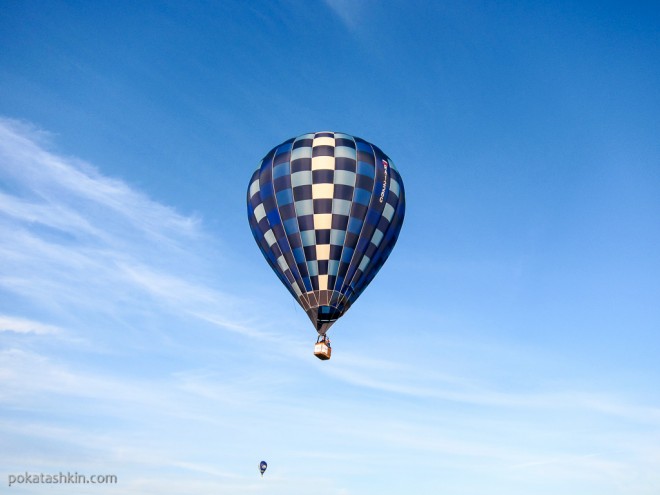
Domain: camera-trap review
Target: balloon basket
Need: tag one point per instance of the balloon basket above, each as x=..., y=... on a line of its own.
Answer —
x=322, y=350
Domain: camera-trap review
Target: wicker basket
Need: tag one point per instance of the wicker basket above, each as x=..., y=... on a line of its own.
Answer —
x=322, y=350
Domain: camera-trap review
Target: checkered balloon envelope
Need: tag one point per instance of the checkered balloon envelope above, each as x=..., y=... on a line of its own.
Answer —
x=326, y=209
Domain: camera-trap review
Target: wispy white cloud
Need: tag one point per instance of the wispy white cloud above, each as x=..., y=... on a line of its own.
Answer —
x=57, y=179
x=31, y=378
x=75, y=240
x=23, y=325
x=350, y=12
x=421, y=382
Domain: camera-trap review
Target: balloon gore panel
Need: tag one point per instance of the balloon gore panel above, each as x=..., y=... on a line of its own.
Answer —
x=325, y=210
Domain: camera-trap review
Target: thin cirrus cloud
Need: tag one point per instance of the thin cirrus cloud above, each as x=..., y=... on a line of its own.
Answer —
x=24, y=325
x=415, y=381
x=74, y=239
x=69, y=183
x=348, y=11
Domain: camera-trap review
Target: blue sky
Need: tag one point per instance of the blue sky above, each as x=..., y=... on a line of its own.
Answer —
x=509, y=345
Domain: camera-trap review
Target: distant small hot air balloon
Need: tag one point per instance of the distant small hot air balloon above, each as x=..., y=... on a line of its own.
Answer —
x=326, y=209
x=262, y=467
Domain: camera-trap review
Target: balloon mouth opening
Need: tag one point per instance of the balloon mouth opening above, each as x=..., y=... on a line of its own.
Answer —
x=324, y=316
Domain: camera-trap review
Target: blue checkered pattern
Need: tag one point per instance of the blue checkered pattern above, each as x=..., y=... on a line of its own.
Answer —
x=326, y=210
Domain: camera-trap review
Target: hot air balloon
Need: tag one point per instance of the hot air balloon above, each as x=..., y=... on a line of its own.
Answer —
x=262, y=468
x=325, y=209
